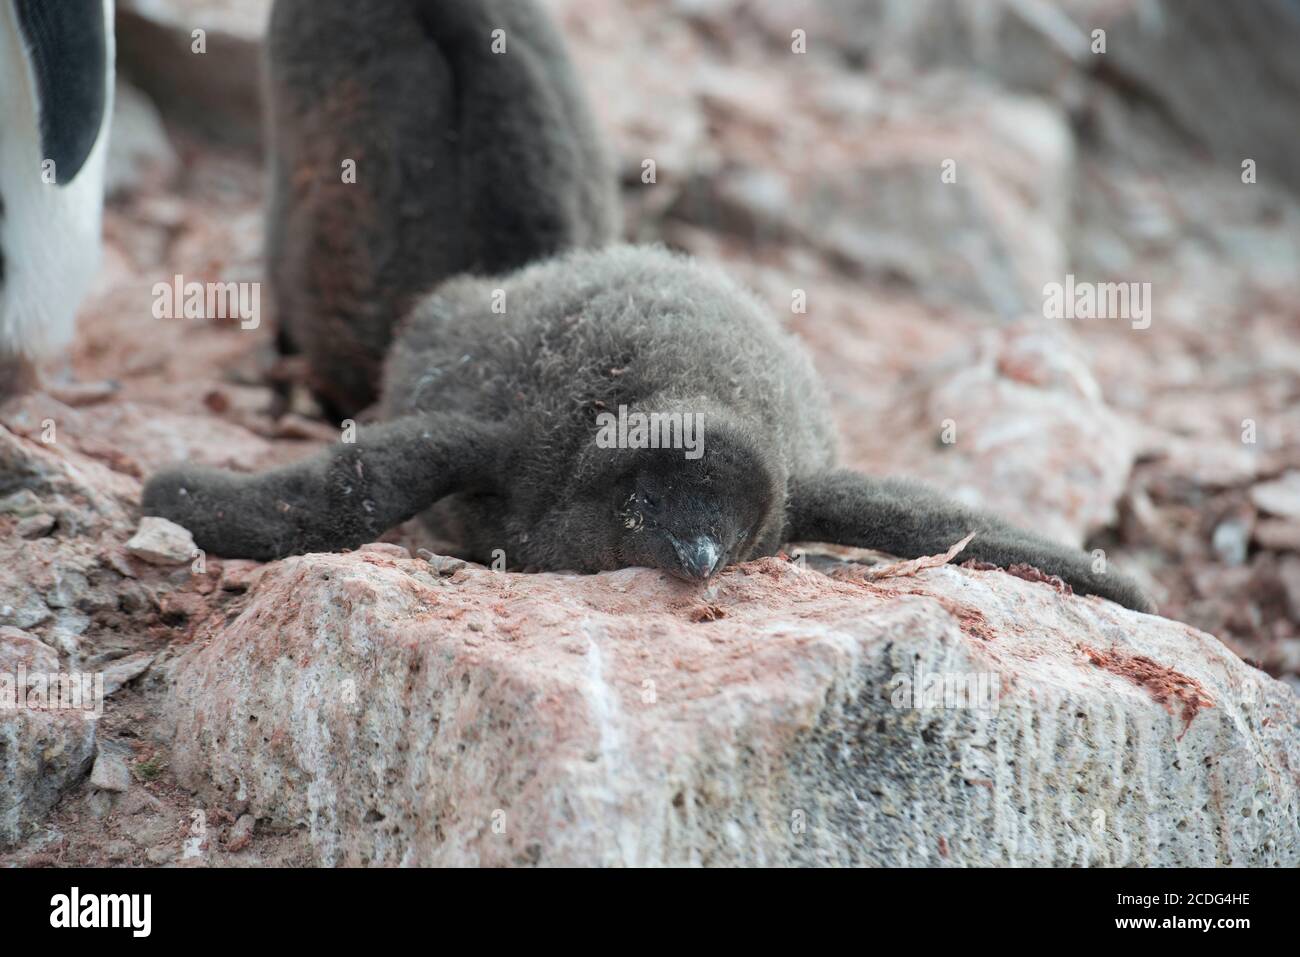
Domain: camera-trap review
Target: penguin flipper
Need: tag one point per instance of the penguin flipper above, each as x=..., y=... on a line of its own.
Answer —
x=342, y=497
x=68, y=46
x=911, y=520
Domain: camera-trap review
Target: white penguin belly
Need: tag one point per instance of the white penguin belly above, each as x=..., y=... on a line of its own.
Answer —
x=49, y=234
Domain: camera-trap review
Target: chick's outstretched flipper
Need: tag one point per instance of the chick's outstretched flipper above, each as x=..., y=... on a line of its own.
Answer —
x=910, y=520
x=342, y=497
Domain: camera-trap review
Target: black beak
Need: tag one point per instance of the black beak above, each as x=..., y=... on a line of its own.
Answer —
x=699, y=557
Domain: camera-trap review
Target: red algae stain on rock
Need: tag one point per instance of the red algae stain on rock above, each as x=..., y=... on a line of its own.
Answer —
x=1169, y=688
x=971, y=620
x=1031, y=574
x=707, y=612
x=1028, y=572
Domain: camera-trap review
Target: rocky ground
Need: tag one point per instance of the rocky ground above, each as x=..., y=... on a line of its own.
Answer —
x=380, y=708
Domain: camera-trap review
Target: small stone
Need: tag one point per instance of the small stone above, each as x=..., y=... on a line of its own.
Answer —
x=161, y=542
x=1280, y=497
x=152, y=831
x=139, y=801
x=1278, y=535
x=295, y=426
x=160, y=855
x=17, y=647
x=70, y=587
x=119, y=850
x=239, y=574
x=22, y=503
x=36, y=526
x=110, y=772
x=117, y=561
x=125, y=670
x=183, y=604
x=241, y=833
x=1231, y=541
x=444, y=565
x=1289, y=573
x=67, y=642
x=78, y=394
x=30, y=611
x=100, y=803
x=385, y=548
x=302, y=404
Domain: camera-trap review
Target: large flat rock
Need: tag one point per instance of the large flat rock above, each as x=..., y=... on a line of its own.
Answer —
x=406, y=716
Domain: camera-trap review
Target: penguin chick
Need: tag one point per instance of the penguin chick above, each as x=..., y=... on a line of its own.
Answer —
x=411, y=141
x=494, y=428
x=56, y=91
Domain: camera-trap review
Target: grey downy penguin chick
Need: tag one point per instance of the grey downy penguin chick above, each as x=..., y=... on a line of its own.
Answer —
x=56, y=93
x=497, y=429
x=412, y=141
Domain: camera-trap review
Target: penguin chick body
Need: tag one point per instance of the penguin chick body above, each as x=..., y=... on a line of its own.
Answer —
x=411, y=141
x=56, y=91
x=493, y=427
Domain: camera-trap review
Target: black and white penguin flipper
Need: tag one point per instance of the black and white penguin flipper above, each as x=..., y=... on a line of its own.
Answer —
x=56, y=92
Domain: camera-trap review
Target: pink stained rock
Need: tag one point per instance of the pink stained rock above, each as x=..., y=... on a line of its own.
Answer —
x=503, y=719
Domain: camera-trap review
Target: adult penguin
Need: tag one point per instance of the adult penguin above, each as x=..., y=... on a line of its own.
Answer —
x=412, y=141
x=56, y=90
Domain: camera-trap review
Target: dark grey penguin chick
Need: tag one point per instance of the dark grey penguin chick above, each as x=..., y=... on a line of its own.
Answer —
x=473, y=151
x=498, y=426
